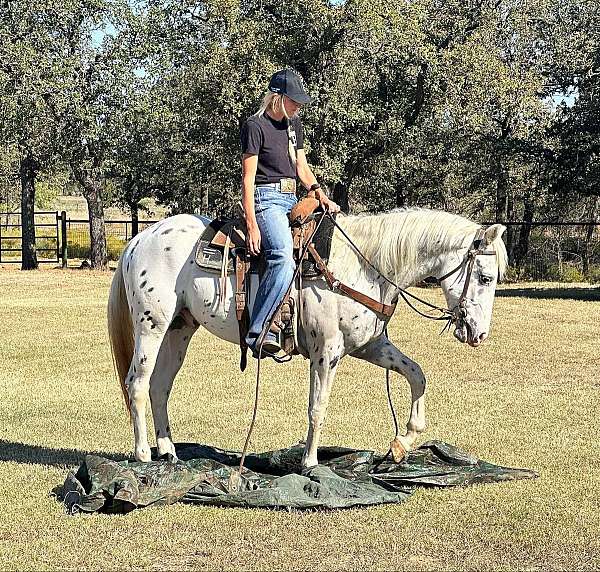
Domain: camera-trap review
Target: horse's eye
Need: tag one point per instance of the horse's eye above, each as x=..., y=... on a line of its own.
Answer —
x=485, y=280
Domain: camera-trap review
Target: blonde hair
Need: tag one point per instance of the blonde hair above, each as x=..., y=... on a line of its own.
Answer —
x=274, y=102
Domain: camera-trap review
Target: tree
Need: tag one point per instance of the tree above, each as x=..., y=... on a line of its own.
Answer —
x=87, y=108
x=30, y=62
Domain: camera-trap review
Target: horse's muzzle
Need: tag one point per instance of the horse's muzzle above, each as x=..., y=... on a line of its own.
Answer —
x=465, y=334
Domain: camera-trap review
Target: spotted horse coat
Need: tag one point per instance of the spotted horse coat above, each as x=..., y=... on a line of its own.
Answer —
x=159, y=298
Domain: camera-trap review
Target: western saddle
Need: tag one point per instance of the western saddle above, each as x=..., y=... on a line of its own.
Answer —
x=222, y=249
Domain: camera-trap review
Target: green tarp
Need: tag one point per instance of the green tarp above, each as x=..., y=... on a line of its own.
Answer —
x=344, y=478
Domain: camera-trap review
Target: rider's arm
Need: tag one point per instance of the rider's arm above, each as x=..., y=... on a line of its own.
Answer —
x=249, y=164
x=304, y=172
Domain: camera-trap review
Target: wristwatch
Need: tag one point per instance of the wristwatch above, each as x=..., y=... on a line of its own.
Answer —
x=314, y=187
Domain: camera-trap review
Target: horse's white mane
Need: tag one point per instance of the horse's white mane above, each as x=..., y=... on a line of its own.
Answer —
x=394, y=241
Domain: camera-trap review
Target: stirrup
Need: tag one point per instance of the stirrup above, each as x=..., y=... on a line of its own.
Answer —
x=279, y=359
x=266, y=354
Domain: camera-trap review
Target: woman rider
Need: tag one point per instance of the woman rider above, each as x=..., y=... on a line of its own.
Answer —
x=272, y=158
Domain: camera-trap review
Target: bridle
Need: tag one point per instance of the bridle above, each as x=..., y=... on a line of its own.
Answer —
x=460, y=311
x=450, y=315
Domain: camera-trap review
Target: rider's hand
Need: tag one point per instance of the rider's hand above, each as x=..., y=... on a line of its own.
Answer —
x=253, y=239
x=328, y=205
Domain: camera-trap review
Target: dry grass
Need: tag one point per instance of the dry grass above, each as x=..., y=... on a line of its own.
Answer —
x=528, y=398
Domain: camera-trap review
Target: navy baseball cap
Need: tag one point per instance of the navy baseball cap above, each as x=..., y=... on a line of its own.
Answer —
x=288, y=82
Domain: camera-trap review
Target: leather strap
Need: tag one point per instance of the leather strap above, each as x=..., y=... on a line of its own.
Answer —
x=378, y=307
x=240, y=291
x=241, y=310
x=476, y=250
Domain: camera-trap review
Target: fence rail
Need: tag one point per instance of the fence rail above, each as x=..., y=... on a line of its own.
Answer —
x=46, y=242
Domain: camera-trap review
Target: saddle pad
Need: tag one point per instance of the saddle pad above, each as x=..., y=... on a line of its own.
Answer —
x=210, y=256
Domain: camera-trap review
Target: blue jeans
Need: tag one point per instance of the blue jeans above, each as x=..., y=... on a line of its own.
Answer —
x=272, y=207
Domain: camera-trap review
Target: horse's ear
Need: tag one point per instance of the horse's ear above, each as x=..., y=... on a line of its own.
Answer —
x=493, y=233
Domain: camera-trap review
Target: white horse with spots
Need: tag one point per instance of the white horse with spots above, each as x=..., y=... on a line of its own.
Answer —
x=160, y=297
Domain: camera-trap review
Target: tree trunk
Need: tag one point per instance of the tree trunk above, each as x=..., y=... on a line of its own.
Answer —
x=27, y=172
x=511, y=230
x=589, y=234
x=501, y=191
x=98, y=255
x=341, y=190
x=522, y=247
x=135, y=221
x=185, y=202
x=400, y=196
x=502, y=175
x=340, y=196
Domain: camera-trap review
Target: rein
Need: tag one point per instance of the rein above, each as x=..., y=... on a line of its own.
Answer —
x=235, y=478
x=450, y=315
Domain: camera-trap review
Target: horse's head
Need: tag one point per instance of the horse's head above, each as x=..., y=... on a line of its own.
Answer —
x=469, y=278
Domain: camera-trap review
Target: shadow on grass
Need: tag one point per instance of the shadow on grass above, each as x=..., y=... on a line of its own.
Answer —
x=36, y=455
x=591, y=294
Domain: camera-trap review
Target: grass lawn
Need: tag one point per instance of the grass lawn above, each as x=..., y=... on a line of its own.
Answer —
x=529, y=397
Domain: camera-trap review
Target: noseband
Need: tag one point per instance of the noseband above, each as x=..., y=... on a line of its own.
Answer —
x=460, y=311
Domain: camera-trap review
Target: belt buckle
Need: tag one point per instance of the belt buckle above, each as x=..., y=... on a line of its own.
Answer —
x=288, y=186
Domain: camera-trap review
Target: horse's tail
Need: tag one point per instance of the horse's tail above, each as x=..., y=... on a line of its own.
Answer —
x=120, y=330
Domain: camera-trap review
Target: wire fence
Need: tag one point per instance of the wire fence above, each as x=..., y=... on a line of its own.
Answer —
x=118, y=234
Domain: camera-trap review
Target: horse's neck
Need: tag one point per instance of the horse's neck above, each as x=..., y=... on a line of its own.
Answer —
x=348, y=265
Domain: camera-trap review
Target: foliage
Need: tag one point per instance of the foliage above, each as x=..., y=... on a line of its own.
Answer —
x=565, y=273
x=593, y=274
x=439, y=103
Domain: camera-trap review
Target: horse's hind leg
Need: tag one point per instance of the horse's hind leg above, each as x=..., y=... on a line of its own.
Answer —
x=170, y=360
x=383, y=353
x=147, y=347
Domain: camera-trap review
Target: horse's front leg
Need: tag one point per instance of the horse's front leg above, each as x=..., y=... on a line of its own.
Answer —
x=383, y=353
x=324, y=358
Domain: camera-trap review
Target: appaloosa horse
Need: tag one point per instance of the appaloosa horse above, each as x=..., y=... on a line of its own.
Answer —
x=157, y=284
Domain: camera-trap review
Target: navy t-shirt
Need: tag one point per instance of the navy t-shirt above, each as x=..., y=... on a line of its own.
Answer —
x=263, y=136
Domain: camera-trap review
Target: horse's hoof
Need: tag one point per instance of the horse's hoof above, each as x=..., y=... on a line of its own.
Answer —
x=143, y=456
x=305, y=470
x=398, y=450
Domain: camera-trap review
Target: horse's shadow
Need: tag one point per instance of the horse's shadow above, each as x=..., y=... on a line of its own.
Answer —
x=37, y=455
x=62, y=458
x=588, y=294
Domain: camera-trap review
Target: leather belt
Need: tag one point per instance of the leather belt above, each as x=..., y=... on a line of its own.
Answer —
x=283, y=186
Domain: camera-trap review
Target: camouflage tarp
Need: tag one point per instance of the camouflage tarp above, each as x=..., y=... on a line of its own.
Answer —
x=345, y=478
